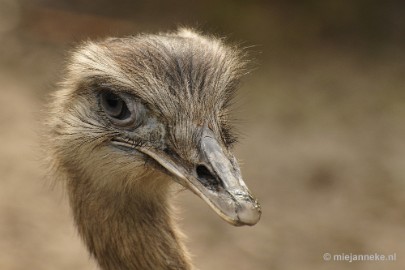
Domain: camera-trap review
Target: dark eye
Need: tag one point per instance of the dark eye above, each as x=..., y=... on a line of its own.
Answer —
x=116, y=108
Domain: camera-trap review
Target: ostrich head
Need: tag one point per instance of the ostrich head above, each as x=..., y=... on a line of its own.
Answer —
x=137, y=113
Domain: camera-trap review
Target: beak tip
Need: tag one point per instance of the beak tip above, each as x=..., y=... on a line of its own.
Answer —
x=249, y=215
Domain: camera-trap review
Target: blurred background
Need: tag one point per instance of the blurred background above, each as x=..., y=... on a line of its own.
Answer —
x=323, y=129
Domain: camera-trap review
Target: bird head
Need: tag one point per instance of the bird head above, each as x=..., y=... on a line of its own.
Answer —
x=154, y=104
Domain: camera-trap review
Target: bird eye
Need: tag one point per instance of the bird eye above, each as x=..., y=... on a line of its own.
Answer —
x=116, y=108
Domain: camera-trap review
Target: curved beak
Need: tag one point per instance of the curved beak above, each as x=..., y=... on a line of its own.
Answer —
x=216, y=179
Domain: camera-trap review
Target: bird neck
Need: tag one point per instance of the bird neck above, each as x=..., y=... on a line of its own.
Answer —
x=130, y=229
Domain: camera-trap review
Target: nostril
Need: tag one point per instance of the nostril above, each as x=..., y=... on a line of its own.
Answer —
x=203, y=172
x=206, y=177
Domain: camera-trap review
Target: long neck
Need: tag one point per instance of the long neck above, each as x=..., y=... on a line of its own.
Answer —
x=128, y=229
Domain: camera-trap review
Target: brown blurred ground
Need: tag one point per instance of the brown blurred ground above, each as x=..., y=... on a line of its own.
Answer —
x=323, y=142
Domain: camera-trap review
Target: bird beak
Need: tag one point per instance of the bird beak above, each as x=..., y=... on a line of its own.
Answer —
x=217, y=180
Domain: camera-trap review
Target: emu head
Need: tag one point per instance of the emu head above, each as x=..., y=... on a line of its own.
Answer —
x=137, y=113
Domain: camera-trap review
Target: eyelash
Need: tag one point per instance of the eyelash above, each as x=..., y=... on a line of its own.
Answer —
x=229, y=136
